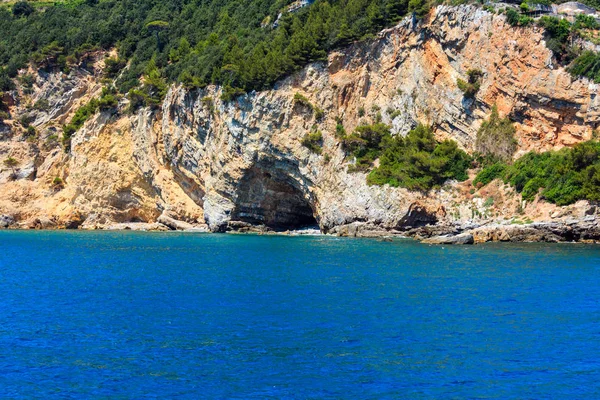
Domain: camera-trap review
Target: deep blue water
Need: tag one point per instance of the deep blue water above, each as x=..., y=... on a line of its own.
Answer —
x=152, y=315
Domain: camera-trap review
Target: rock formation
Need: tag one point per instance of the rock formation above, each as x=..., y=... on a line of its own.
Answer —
x=240, y=165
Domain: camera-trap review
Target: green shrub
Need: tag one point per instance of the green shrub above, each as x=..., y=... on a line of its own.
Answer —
x=340, y=132
x=57, y=183
x=42, y=105
x=106, y=101
x=112, y=66
x=3, y=116
x=512, y=17
x=561, y=177
x=304, y=102
x=557, y=31
x=417, y=162
x=525, y=20
x=313, y=141
x=137, y=99
x=11, y=163
x=587, y=65
x=488, y=202
x=208, y=102
x=230, y=93
x=515, y=19
x=394, y=113
x=299, y=98
x=469, y=90
x=470, y=87
x=365, y=145
x=489, y=173
x=319, y=113
x=191, y=82
x=584, y=21
x=155, y=86
x=496, y=138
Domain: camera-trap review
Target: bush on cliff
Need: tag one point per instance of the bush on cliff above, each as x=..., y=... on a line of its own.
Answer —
x=496, y=138
x=471, y=86
x=417, y=162
x=561, y=177
x=107, y=100
x=366, y=144
x=489, y=173
x=300, y=99
x=313, y=141
x=588, y=65
x=515, y=19
x=560, y=35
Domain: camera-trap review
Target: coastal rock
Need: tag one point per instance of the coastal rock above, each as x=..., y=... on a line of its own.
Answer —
x=463, y=238
x=137, y=226
x=74, y=221
x=39, y=223
x=535, y=232
x=6, y=220
x=174, y=224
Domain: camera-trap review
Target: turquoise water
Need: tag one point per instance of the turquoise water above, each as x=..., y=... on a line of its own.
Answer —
x=137, y=315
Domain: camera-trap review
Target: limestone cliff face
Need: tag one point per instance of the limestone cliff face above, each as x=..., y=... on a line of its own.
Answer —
x=241, y=164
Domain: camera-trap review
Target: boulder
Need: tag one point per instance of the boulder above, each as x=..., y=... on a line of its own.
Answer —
x=463, y=238
x=174, y=224
x=6, y=220
x=136, y=226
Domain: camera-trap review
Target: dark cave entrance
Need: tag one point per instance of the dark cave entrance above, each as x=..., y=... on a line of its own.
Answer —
x=271, y=198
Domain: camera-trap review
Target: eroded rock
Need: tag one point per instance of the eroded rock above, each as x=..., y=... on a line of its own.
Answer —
x=463, y=238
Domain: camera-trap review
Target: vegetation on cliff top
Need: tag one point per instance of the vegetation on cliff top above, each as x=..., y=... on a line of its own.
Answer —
x=561, y=38
x=190, y=41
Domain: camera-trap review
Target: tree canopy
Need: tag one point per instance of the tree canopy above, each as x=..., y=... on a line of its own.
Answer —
x=207, y=41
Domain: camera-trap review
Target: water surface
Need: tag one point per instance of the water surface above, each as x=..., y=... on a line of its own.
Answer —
x=138, y=315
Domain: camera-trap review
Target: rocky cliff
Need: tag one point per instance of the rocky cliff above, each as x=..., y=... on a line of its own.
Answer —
x=240, y=165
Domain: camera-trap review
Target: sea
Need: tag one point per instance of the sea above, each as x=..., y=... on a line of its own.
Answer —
x=133, y=315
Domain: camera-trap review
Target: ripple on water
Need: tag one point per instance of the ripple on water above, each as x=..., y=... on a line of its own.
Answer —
x=131, y=315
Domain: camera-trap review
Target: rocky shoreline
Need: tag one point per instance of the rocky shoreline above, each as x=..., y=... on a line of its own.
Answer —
x=586, y=230
x=552, y=232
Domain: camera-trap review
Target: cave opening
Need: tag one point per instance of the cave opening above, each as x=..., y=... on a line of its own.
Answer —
x=272, y=199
